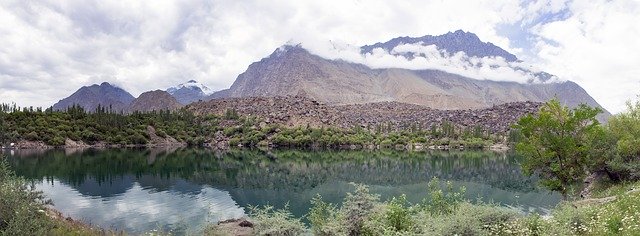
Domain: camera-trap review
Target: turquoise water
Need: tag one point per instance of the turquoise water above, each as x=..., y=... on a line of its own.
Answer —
x=138, y=190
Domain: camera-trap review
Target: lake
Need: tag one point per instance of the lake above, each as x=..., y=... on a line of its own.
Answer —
x=181, y=190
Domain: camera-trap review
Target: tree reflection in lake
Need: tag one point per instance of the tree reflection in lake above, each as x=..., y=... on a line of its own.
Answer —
x=234, y=179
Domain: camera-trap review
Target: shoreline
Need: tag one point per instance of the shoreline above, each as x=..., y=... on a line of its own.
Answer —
x=39, y=145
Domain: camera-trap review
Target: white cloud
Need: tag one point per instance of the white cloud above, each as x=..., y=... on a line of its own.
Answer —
x=50, y=48
x=597, y=47
x=141, y=209
x=430, y=57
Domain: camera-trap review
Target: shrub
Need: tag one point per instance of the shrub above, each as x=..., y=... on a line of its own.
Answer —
x=325, y=218
x=398, y=214
x=357, y=207
x=275, y=222
x=22, y=209
x=466, y=219
x=442, y=201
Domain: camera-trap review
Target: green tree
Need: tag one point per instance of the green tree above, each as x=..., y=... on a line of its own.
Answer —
x=558, y=144
x=625, y=131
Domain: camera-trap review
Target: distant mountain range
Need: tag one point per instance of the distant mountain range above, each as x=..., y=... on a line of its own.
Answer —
x=118, y=100
x=292, y=70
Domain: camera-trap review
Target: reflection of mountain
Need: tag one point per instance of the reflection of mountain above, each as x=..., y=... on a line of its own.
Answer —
x=291, y=170
x=159, y=183
x=115, y=186
x=254, y=177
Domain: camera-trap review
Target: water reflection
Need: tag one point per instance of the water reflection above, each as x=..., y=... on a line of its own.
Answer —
x=138, y=190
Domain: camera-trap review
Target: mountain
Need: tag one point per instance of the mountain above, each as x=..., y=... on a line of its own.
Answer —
x=154, y=101
x=292, y=70
x=89, y=97
x=452, y=42
x=189, y=92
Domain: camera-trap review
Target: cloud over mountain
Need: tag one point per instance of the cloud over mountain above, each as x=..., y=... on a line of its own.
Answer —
x=53, y=47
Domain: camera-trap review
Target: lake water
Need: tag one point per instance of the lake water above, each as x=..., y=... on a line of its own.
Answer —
x=181, y=190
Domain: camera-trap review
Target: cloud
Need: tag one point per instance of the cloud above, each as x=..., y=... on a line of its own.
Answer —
x=50, y=48
x=141, y=209
x=432, y=58
x=596, y=47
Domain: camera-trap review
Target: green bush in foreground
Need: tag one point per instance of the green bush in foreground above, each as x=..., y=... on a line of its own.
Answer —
x=361, y=213
x=444, y=212
x=22, y=209
x=269, y=221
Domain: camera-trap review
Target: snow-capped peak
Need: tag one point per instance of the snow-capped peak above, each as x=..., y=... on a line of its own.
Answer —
x=191, y=84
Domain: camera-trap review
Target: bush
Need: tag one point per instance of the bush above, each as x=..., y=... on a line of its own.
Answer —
x=357, y=207
x=398, y=214
x=275, y=222
x=325, y=218
x=22, y=209
x=442, y=201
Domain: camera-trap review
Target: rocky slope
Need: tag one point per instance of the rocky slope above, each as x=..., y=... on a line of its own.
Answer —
x=292, y=71
x=89, y=97
x=302, y=111
x=154, y=101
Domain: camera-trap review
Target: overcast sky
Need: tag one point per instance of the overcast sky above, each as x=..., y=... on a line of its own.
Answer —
x=51, y=48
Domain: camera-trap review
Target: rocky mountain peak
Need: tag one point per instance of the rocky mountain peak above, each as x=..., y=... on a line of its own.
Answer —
x=451, y=42
x=189, y=92
x=89, y=97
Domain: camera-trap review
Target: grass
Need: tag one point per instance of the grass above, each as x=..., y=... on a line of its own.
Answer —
x=606, y=189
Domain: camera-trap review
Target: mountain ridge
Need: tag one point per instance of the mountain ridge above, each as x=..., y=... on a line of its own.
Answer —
x=292, y=70
x=452, y=42
x=89, y=97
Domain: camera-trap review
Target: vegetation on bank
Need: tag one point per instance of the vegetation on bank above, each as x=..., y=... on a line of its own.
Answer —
x=443, y=212
x=23, y=210
x=563, y=146
x=106, y=127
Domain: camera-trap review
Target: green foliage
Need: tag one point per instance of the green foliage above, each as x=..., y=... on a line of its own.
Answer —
x=442, y=201
x=54, y=127
x=625, y=131
x=275, y=222
x=325, y=218
x=105, y=126
x=398, y=214
x=357, y=208
x=231, y=114
x=558, y=144
x=22, y=209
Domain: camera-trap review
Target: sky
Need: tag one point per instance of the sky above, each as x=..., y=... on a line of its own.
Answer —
x=50, y=48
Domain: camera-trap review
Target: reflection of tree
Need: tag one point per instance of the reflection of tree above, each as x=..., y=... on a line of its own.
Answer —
x=287, y=170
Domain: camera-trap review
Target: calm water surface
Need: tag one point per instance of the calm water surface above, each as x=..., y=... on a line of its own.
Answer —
x=183, y=189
